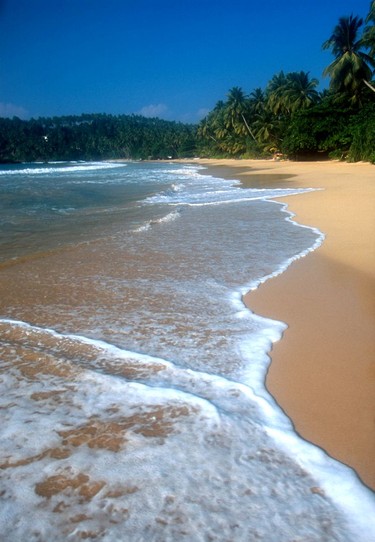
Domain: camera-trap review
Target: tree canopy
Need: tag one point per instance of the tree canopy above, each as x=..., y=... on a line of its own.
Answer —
x=290, y=116
x=94, y=137
x=352, y=66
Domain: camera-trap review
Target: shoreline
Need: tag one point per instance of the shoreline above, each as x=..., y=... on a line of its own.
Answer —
x=322, y=372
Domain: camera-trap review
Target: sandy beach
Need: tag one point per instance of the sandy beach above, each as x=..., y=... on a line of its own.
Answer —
x=132, y=376
x=323, y=370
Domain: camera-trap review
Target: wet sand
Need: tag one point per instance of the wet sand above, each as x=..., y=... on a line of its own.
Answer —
x=323, y=370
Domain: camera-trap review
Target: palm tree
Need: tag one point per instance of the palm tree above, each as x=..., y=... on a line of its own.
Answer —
x=351, y=67
x=300, y=91
x=268, y=129
x=257, y=100
x=236, y=108
x=368, y=38
x=209, y=125
x=274, y=92
x=288, y=93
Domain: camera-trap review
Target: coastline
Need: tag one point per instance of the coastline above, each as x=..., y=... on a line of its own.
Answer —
x=322, y=372
x=119, y=359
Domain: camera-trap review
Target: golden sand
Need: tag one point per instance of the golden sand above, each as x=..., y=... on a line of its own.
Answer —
x=323, y=370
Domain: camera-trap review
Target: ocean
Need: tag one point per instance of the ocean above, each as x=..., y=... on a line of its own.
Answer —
x=133, y=404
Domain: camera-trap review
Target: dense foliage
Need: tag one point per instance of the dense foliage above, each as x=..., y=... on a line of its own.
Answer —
x=94, y=137
x=291, y=117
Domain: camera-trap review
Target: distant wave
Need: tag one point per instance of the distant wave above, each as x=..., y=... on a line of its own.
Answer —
x=66, y=167
x=170, y=217
x=213, y=196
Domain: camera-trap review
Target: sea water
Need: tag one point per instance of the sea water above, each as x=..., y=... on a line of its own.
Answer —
x=133, y=404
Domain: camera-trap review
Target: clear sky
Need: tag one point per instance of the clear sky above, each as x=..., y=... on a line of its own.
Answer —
x=172, y=59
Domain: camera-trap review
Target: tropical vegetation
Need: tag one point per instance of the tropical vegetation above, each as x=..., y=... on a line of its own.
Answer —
x=289, y=117
x=94, y=137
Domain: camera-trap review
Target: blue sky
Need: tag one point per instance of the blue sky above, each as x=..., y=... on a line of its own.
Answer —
x=172, y=59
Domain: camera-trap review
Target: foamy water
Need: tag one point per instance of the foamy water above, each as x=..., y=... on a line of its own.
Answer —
x=132, y=385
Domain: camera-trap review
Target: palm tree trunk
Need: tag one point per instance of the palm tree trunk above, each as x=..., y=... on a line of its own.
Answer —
x=248, y=127
x=368, y=84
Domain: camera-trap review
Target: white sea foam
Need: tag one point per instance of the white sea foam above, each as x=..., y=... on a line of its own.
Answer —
x=142, y=228
x=65, y=168
x=170, y=217
x=196, y=189
x=220, y=413
x=320, y=236
x=192, y=171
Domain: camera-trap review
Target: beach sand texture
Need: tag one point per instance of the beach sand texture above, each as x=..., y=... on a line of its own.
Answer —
x=323, y=370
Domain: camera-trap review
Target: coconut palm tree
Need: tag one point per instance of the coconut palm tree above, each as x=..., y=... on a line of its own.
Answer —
x=257, y=100
x=352, y=66
x=275, y=91
x=299, y=91
x=268, y=129
x=368, y=38
x=236, y=109
x=209, y=125
x=288, y=93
